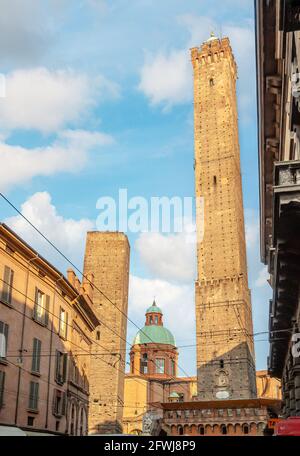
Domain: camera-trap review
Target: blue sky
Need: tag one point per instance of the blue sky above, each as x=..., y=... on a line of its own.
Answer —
x=99, y=97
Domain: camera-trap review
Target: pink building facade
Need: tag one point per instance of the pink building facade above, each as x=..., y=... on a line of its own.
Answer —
x=47, y=325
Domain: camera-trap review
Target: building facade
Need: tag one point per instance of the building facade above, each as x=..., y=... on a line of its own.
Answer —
x=225, y=348
x=240, y=417
x=107, y=257
x=46, y=327
x=267, y=387
x=278, y=81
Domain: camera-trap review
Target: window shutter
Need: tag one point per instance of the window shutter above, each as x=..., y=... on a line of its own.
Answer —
x=33, y=364
x=3, y=339
x=36, y=358
x=6, y=282
x=66, y=331
x=54, y=402
x=36, y=396
x=47, y=306
x=36, y=303
x=57, y=356
x=11, y=280
x=64, y=403
x=2, y=381
x=65, y=363
x=31, y=393
x=38, y=355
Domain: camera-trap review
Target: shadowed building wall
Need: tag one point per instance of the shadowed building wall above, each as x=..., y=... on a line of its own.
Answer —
x=225, y=351
x=107, y=257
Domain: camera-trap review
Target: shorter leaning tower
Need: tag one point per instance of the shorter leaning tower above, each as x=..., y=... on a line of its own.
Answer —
x=107, y=258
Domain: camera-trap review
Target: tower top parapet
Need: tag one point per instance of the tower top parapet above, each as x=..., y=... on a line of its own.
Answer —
x=213, y=50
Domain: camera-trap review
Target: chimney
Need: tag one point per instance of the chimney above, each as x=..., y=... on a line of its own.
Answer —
x=71, y=276
x=88, y=284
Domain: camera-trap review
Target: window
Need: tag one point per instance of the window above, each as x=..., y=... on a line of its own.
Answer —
x=223, y=429
x=144, y=364
x=211, y=82
x=61, y=367
x=36, y=356
x=59, y=403
x=160, y=366
x=30, y=420
x=98, y=335
x=221, y=364
x=41, y=307
x=173, y=370
x=33, y=396
x=63, y=323
x=246, y=429
x=7, y=285
x=201, y=430
x=3, y=339
x=2, y=382
x=156, y=319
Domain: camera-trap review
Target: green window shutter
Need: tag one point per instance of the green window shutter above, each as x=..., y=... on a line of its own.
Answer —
x=2, y=382
x=39, y=346
x=54, y=402
x=36, y=395
x=57, y=363
x=65, y=365
x=31, y=392
x=33, y=364
x=36, y=303
x=6, y=291
x=11, y=282
x=64, y=404
x=47, y=307
x=36, y=357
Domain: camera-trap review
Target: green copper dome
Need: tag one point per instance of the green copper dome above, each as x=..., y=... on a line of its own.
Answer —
x=154, y=334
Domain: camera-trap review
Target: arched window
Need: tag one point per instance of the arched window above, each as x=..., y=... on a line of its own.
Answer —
x=201, y=430
x=223, y=429
x=245, y=429
x=211, y=82
x=180, y=430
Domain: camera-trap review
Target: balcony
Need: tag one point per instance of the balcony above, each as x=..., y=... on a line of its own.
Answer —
x=285, y=264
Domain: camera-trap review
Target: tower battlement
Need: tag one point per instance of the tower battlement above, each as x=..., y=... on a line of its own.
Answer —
x=212, y=51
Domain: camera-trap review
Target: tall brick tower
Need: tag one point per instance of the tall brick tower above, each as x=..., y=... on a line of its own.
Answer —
x=225, y=352
x=107, y=258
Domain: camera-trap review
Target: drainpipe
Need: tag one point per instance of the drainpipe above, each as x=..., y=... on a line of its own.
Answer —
x=22, y=336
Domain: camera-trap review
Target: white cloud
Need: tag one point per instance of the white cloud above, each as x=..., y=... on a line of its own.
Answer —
x=47, y=100
x=66, y=233
x=170, y=257
x=262, y=278
x=68, y=153
x=167, y=79
x=252, y=229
